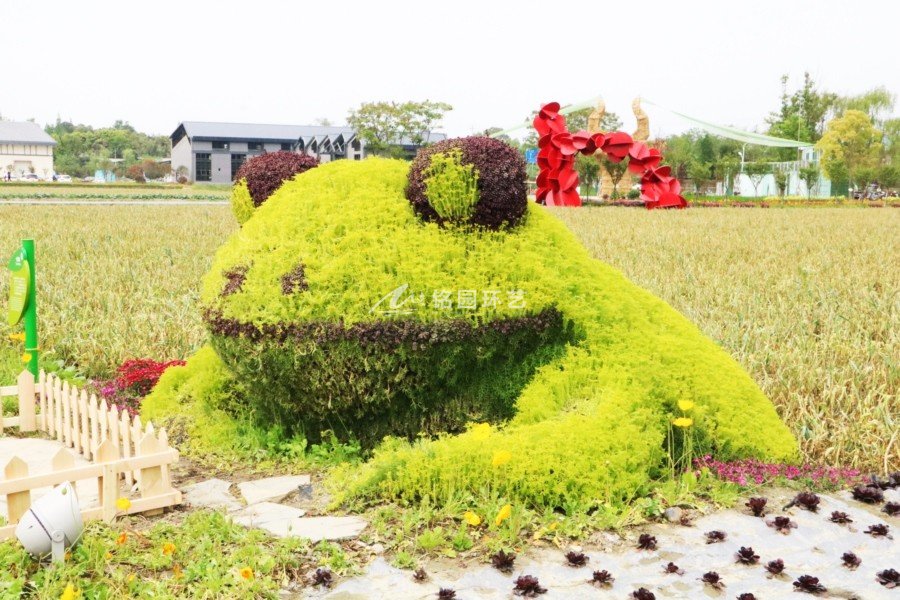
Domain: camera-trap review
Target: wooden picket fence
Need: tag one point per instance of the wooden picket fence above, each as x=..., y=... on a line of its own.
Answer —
x=118, y=447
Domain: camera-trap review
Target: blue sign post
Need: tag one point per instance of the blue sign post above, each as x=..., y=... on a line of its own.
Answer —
x=531, y=156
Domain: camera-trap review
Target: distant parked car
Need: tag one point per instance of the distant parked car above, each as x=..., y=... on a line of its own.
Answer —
x=31, y=177
x=64, y=179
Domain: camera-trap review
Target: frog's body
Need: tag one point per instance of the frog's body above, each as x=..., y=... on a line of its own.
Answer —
x=581, y=384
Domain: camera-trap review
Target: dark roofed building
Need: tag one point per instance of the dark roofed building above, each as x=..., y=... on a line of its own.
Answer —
x=213, y=152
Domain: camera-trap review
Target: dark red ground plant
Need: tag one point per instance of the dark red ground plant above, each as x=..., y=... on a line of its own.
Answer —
x=715, y=536
x=782, y=524
x=576, y=559
x=643, y=594
x=868, y=494
x=775, y=567
x=746, y=556
x=503, y=561
x=839, y=517
x=757, y=506
x=646, y=542
x=528, y=586
x=809, y=584
x=673, y=569
x=265, y=173
x=850, y=560
x=713, y=580
x=601, y=579
x=889, y=578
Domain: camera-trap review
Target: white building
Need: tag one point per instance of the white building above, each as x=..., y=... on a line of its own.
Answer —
x=25, y=148
x=766, y=185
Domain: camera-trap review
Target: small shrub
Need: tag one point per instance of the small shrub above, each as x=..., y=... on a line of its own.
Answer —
x=134, y=380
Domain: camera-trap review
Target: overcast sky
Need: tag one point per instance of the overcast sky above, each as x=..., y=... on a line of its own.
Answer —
x=157, y=63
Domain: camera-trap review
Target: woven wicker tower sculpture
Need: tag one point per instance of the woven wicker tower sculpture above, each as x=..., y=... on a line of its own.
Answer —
x=641, y=134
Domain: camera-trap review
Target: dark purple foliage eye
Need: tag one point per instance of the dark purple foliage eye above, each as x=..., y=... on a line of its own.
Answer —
x=747, y=556
x=323, y=577
x=295, y=281
x=879, y=530
x=265, y=173
x=643, y=594
x=807, y=501
x=775, y=567
x=868, y=494
x=757, y=506
x=502, y=191
x=782, y=524
x=840, y=517
x=234, y=280
x=713, y=579
x=673, y=569
x=528, y=586
x=850, y=560
x=889, y=578
x=892, y=509
x=446, y=594
x=576, y=559
x=503, y=562
x=715, y=536
x=602, y=579
x=809, y=584
x=420, y=575
x=746, y=596
x=646, y=542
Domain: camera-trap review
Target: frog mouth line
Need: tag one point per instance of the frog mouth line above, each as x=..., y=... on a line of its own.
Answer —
x=385, y=333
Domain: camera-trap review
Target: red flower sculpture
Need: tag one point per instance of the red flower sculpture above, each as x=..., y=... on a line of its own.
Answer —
x=557, y=181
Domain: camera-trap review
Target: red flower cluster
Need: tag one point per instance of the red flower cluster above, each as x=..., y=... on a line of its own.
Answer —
x=139, y=375
x=557, y=181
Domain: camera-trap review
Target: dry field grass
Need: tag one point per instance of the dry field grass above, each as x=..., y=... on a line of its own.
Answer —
x=808, y=300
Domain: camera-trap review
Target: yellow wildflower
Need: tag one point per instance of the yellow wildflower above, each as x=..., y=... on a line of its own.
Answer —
x=123, y=537
x=247, y=573
x=168, y=549
x=501, y=457
x=69, y=593
x=26, y=357
x=503, y=515
x=472, y=519
x=130, y=578
x=685, y=405
x=109, y=556
x=123, y=504
x=177, y=572
x=481, y=432
x=17, y=337
x=683, y=422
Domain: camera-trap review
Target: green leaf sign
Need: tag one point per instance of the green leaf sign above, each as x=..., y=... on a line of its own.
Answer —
x=18, y=286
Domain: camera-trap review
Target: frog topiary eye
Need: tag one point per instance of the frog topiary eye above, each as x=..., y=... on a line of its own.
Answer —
x=469, y=181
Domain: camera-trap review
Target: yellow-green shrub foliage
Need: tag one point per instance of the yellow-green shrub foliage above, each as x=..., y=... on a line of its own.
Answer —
x=588, y=418
x=451, y=187
x=241, y=202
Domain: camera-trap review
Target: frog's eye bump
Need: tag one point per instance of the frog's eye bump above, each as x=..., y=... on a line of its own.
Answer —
x=476, y=180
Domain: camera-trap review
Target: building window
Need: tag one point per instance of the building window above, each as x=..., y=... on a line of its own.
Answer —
x=236, y=161
x=286, y=147
x=357, y=157
x=220, y=145
x=203, y=168
x=254, y=146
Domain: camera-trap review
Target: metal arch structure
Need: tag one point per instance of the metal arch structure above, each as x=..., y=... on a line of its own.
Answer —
x=557, y=181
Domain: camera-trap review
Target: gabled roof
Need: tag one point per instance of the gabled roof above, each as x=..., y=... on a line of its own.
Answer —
x=14, y=132
x=202, y=130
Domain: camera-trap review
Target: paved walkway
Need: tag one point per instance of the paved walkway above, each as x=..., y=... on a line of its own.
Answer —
x=38, y=454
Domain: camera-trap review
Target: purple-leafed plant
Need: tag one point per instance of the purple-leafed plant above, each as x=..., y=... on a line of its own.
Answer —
x=850, y=560
x=265, y=173
x=892, y=509
x=576, y=559
x=757, y=506
x=419, y=575
x=840, y=518
x=528, y=586
x=782, y=524
x=643, y=594
x=673, y=569
x=746, y=596
x=807, y=501
x=715, y=536
x=809, y=584
x=879, y=530
x=601, y=579
x=746, y=556
x=889, y=578
x=503, y=561
x=775, y=567
x=713, y=580
x=323, y=577
x=446, y=594
x=869, y=494
x=646, y=542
